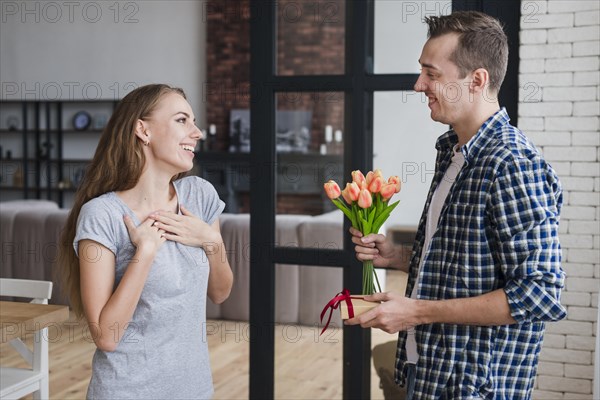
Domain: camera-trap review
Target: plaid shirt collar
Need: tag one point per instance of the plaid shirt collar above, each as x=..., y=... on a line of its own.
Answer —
x=478, y=142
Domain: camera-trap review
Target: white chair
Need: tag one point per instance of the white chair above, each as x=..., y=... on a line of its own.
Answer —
x=18, y=382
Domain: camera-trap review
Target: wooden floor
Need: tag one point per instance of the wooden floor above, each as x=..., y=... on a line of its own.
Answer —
x=308, y=366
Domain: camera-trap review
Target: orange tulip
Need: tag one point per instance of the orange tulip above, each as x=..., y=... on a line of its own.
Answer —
x=378, y=172
x=375, y=185
x=387, y=190
x=350, y=192
x=364, y=199
x=369, y=177
x=346, y=195
x=359, y=178
x=396, y=181
x=372, y=175
x=332, y=189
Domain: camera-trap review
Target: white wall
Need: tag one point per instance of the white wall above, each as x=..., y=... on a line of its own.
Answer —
x=596, y=391
x=101, y=49
x=559, y=110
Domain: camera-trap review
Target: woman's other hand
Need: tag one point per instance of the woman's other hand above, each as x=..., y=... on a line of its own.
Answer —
x=147, y=236
x=186, y=229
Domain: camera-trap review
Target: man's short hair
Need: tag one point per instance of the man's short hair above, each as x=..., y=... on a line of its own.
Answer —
x=482, y=43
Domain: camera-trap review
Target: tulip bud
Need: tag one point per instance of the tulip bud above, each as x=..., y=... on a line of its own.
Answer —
x=396, y=181
x=350, y=192
x=375, y=185
x=369, y=177
x=346, y=195
x=387, y=191
x=364, y=199
x=332, y=190
x=378, y=172
x=354, y=190
x=359, y=178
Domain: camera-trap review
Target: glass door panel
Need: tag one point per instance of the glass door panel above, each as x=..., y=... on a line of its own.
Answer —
x=400, y=33
x=309, y=146
x=404, y=144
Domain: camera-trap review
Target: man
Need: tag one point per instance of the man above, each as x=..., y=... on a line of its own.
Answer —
x=485, y=269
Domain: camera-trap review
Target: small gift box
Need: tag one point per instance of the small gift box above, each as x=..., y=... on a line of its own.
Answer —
x=350, y=306
x=355, y=306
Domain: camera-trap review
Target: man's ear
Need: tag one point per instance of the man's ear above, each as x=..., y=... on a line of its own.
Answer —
x=141, y=131
x=481, y=79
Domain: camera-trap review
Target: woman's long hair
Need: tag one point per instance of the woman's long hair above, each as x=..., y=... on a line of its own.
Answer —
x=117, y=165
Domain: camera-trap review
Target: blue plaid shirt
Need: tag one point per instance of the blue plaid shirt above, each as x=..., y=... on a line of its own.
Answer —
x=498, y=229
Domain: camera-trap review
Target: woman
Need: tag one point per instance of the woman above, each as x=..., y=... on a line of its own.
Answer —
x=138, y=248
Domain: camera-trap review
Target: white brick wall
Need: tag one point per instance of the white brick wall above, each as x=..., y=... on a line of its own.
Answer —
x=559, y=103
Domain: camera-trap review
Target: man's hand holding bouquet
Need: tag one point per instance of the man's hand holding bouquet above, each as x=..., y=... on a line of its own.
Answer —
x=366, y=203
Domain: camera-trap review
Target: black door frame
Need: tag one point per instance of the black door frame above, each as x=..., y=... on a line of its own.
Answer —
x=358, y=84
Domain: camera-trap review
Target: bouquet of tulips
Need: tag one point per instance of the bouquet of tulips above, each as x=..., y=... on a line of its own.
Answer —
x=366, y=203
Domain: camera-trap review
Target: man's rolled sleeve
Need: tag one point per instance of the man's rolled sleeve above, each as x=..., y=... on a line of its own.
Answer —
x=525, y=203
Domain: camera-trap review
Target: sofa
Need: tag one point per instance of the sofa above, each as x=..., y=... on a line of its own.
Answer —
x=30, y=230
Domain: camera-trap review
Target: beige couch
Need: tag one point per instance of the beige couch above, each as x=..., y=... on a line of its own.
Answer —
x=30, y=232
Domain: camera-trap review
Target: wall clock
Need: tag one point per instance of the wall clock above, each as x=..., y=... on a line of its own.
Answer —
x=81, y=120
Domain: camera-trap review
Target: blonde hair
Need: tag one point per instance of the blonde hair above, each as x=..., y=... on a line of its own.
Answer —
x=117, y=165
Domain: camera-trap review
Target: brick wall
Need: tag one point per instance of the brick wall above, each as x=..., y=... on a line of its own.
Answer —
x=227, y=64
x=310, y=40
x=559, y=110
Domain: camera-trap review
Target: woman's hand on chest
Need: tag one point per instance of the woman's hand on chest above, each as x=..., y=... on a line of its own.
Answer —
x=186, y=229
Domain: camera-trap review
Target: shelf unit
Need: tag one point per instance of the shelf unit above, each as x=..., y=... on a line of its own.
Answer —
x=42, y=155
x=48, y=159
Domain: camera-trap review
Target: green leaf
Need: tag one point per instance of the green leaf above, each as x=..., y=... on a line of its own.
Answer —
x=348, y=214
x=356, y=214
x=384, y=215
x=340, y=204
x=363, y=225
x=378, y=204
x=372, y=216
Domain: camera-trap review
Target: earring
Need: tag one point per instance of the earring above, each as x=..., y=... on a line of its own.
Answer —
x=147, y=141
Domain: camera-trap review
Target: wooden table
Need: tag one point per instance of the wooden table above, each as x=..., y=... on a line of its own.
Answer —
x=16, y=321
x=19, y=319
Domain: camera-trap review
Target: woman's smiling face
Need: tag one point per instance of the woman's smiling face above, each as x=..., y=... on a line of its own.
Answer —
x=172, y=133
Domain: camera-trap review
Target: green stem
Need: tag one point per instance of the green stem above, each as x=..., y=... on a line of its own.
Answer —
x=377, y=281
x=368, y=287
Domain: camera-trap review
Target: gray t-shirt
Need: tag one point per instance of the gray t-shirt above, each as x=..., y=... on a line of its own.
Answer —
x=163, y=353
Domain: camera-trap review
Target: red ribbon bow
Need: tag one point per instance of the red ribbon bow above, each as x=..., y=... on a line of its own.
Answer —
x=335, y=303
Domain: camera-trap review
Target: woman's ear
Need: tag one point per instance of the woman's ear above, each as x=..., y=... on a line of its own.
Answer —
x=142, y=132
